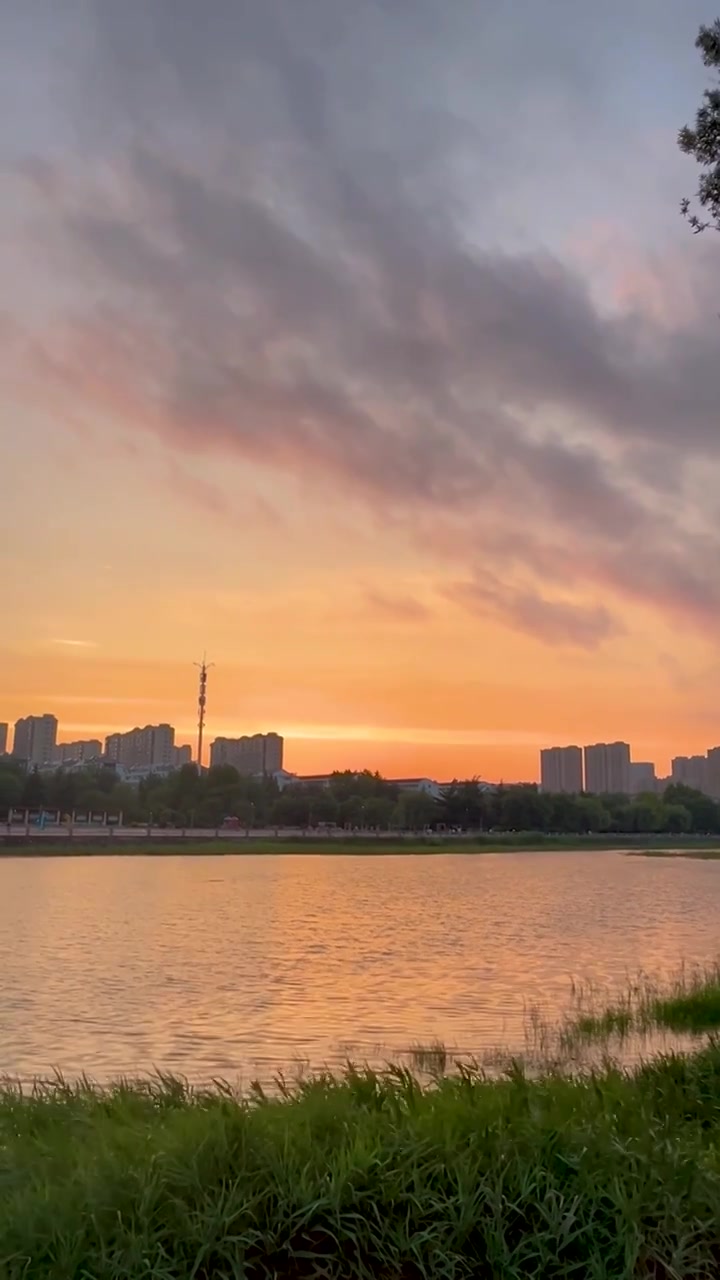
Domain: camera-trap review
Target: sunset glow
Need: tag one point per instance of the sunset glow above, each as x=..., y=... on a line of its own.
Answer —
x=327, y=353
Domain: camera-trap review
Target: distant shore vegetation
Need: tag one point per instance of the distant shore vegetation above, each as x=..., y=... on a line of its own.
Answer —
x=356, y=802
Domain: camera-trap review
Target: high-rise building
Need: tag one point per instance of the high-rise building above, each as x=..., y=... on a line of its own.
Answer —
x=561, y=769
x=594, y=758
x=135, y=747
x=712, y=773
x=152, y=745
x=35, y=739
x=163, y=745
x=690, y=771
x=618, y=768
x=260, y=753
x=4, y=730
x=79, y=752
x=642, y=777
x=273, y=753
x=182, y=755
x=607, y=768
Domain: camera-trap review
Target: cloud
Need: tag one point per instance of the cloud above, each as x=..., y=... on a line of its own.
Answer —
x=216, y=502
x=397, y=608
x=75, y=644
x=80, y=699
x=551, y=621
x=289, y=255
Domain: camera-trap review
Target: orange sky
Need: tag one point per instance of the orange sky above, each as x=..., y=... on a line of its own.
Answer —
x=408, y=422
x=326, y=622
x=410, y=714
x=356, y=656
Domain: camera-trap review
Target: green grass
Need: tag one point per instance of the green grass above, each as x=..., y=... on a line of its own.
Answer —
x=163, y=845
x=613, y=1175
x=602, y=1026
x=709, y=852
x=689, y=1003
x=429, y=1059
x=168, y=843
x=694, y=1010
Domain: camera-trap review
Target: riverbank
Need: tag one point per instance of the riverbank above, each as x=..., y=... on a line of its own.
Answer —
x=709, y=853
x=368, y=1176
x=162, y=843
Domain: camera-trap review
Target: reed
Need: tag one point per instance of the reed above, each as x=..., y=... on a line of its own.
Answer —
x=688, y=1002
x=611, y=1174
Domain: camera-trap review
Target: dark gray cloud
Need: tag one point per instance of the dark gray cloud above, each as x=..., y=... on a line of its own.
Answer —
x=291, y=249
x=555, y=621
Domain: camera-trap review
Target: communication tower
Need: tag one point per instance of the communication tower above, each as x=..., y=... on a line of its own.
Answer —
x=202, y=699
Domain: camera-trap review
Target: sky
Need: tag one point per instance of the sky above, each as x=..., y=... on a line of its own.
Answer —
x=360, y=344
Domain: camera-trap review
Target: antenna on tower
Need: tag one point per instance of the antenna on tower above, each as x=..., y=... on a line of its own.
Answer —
x=202, y=698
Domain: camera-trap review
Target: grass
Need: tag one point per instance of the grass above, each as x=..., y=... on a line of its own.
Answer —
x=688, y=1003
x=166, y=844
x=369, y=1176
x=611, y=1022
x=697, y=1009
x=709, y=853
x=429, y=1059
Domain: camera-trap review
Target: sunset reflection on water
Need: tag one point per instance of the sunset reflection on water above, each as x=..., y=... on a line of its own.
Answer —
x=238, y=967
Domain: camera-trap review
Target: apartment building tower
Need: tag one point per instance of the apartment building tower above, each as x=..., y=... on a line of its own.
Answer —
x=35, y=739
x=79, y=752
x=4, y=731
x=643, y=778
x=153, y=745
x=607, y=768
x=712, y=773
x=690, y=771
x=561, y=769
x=254, y=754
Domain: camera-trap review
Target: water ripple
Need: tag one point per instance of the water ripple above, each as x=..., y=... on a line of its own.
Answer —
x=242, y=966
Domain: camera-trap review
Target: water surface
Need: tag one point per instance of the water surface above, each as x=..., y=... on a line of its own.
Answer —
x=241, y=966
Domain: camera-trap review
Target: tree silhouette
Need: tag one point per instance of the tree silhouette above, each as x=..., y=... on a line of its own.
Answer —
x=703, y=141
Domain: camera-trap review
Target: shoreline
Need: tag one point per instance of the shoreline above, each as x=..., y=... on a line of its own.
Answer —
x=163, y=845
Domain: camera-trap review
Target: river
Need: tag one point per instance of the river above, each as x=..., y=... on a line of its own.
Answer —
x=239, y=967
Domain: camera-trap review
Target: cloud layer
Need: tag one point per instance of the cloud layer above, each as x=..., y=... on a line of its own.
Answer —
x=291, y=234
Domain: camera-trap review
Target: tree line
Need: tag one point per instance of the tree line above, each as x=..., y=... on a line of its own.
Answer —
x=357, y=801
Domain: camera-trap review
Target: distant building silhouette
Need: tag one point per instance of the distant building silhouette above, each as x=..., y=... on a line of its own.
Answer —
x=607, y=768
x=712, y=773
x=561, y=769
x=258, y=753
x=642, y=777
x=152, y=745
x=78, y=752
x=690, y=771
x=35, y=739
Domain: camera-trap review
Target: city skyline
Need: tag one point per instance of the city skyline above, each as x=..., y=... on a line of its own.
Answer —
x=593, y=767
x=408, y=419
x=34, y=739
x=607, y=768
